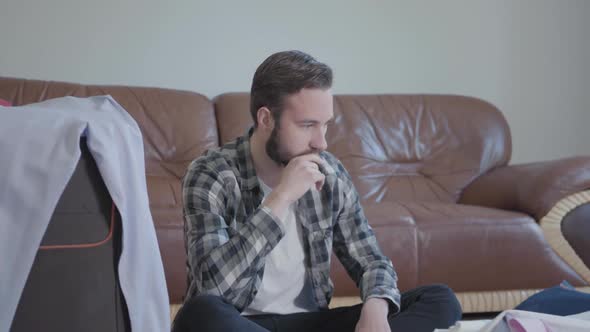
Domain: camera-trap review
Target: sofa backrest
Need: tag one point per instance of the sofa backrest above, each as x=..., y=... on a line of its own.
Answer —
x=401, y=147
x=177, y=126
x=396, y=147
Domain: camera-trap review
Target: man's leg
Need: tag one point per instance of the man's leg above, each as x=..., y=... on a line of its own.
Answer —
x=422, y=309
x=211, y=313
x=341, y=319
x=426, y=308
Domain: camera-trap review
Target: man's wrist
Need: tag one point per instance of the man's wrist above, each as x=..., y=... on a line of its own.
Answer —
x=377, y=305
x=277, y=203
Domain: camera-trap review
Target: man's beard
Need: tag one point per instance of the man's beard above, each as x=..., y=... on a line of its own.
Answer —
x=273, y=148
x=278, y=155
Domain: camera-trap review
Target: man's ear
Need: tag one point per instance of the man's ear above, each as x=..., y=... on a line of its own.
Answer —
x=265, y=119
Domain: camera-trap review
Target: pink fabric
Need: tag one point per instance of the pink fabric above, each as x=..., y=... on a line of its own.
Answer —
x=5, y=103
x=523, y=324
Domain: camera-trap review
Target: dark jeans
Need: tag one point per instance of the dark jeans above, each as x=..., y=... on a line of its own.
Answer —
x=422, y=309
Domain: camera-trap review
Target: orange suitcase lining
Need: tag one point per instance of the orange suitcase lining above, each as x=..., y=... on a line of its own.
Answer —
x=86, y=245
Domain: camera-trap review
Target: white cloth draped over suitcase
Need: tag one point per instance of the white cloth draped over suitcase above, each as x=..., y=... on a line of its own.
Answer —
x=39, y=150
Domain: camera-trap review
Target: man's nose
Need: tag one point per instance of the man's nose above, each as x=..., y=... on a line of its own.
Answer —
x=319, y=141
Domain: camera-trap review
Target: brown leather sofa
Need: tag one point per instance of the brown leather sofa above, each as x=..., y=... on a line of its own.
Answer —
x=432, y=172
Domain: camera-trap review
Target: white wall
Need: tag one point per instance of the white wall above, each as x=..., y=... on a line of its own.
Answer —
x=531, y=58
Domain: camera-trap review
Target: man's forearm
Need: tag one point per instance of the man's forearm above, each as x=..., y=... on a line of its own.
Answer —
x=377, y=305
x=254, y=240
x=277, y=204
x=374, y=316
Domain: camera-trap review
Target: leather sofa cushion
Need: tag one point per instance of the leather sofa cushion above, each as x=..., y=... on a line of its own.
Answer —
x=440, y=240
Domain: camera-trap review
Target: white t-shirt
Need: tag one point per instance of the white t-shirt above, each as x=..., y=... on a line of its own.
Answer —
x=285, y=286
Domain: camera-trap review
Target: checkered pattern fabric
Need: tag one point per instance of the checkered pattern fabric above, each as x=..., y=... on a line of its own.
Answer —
x=228, y=233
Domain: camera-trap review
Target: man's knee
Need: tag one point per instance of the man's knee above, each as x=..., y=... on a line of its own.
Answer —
x=199, y=309
x=206, y=301
x=440, y=289
x=445, y=296
x=206, y=305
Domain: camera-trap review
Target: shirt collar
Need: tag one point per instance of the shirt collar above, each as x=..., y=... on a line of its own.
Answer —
x=248, y=177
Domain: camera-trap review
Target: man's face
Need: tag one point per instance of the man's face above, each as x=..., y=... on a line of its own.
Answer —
x=302, y=126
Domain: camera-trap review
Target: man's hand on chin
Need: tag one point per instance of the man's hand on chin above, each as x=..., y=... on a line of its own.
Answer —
x=374, y=316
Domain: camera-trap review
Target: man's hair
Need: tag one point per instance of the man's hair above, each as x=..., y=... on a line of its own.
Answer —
x=283, y=74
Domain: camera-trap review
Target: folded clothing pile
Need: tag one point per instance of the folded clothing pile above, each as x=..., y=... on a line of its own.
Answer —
x=559, y=308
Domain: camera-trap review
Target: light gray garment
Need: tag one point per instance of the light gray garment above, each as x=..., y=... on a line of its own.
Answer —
x=39, y=150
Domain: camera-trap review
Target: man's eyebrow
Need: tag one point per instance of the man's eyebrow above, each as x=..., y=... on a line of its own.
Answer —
x=310, y=121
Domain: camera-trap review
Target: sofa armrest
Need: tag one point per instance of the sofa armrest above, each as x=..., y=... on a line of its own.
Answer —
x=555, y=193
x=533, y=188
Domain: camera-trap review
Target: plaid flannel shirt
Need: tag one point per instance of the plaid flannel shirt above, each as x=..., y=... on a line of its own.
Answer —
x=228, y=233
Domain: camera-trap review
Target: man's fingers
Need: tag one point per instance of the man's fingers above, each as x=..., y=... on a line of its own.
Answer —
x=312, y=166
x=318, y=179
x=318, y=160
x=312, y=157
x=319, y=185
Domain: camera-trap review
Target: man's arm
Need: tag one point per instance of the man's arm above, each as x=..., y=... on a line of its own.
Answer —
x=374, y=316
x=223, y=261
x=357, y=249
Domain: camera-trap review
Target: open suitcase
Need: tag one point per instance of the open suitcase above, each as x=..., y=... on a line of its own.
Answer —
x=73, y=283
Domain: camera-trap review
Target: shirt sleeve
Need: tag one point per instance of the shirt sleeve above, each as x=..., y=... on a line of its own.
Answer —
x=223, y=261
x=357, y=249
